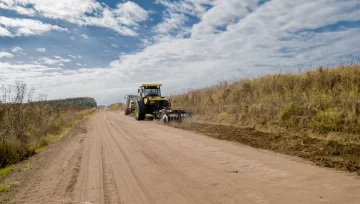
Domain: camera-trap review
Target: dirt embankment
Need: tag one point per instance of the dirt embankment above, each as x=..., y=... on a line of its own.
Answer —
x=323, y=152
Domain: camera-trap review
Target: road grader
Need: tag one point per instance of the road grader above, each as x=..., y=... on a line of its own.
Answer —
x=150, y=103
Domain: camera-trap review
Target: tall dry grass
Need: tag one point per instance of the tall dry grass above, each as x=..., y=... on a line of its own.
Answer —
x=323, y=100
x=26, y=125
x=115, y=107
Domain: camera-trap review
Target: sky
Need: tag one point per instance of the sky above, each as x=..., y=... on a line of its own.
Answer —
x=106, y=49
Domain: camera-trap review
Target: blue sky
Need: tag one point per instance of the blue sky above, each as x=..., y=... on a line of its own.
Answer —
x=106, y=49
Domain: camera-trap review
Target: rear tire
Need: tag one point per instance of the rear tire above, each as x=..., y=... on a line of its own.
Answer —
x=140, y=111
x=126, y=111
x=164, y=104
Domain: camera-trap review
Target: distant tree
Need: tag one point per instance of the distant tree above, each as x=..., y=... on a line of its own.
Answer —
x=80, y=101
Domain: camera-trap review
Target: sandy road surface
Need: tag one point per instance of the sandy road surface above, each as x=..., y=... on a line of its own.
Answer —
x=115, y=159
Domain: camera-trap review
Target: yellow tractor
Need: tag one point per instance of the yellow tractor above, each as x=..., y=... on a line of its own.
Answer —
x=150, y=102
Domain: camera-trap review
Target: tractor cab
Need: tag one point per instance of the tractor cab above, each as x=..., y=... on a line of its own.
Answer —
x=149, y=90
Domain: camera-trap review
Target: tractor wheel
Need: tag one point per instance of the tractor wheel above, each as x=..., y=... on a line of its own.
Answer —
x=140, y=111
x=164, y=104
x=126, y=111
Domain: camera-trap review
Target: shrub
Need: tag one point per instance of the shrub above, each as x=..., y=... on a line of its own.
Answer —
x=26, y=124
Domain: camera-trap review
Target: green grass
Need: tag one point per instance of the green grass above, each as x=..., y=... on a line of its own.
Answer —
x=4, y=187
x=6, y=170
x=39, y=148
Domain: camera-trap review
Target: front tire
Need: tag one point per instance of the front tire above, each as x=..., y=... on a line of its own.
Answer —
x=140, y=111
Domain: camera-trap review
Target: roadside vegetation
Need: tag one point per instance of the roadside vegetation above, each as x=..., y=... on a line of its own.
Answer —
x=317, y=113
x=29, y=124
x=115, y=107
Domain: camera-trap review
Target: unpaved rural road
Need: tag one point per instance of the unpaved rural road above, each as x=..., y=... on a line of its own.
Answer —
x=112, y=158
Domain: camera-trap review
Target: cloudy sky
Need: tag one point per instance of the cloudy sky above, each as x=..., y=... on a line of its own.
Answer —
x=106, y=49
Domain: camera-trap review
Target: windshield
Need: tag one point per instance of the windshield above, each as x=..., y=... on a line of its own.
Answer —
x=152, y=92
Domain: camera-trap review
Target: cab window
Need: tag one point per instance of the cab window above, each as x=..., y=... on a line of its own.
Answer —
x=152, y=92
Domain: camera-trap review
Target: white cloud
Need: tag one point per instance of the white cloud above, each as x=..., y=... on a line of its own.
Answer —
x=72, y=38
x=5, y=32
x=16, y=49
x=223, y=13
x=129, y=13
x=6, y=54
x=114, y=45
x=60, y=59
x=122, y=19
x=57, y=61
x=79, y=64
x=25, y=27
x=41, y=49
x=48, y=61
x=84, y=36
x=191, y=7
x=72, y=56
x=79, y=56
x=10, y=5
x=171, y=23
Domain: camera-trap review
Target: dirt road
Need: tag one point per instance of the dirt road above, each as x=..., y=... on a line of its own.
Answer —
x=115, y=159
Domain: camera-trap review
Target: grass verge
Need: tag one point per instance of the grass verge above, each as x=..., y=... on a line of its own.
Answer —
x=4, y=187
x=63, y=130
x=115, y=107
x=6, y=170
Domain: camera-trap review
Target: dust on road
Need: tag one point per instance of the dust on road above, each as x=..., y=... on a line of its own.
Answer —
x=116, y=159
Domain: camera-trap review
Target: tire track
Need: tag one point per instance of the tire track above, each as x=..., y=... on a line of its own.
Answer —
x=122, y=177
x=105, y=179
x=111, y=187
x=111, y=191
x=50, y=179
x=130, y=166
x=89, y=186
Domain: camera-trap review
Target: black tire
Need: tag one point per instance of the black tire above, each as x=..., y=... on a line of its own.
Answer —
x=141, y=111
x=126, y=111
x=164, y=104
